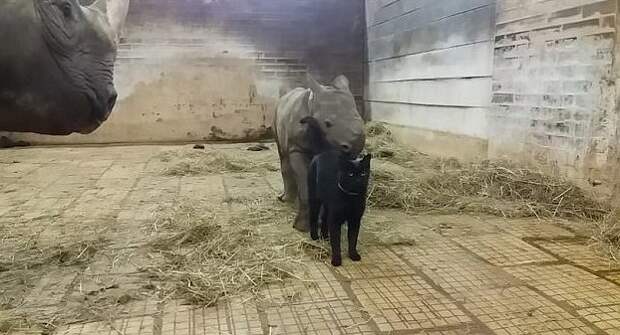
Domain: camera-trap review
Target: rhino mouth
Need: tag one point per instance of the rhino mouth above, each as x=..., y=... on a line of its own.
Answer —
x=99, y=113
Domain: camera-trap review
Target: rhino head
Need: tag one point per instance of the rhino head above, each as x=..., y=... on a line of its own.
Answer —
x=82, y=42
x=335, y=110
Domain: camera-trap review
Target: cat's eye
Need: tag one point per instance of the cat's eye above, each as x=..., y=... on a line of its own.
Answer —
x=351, y=174
x=363, y=174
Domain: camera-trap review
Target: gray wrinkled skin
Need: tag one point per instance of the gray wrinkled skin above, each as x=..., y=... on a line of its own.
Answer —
x=334, y=107
x=56, y=66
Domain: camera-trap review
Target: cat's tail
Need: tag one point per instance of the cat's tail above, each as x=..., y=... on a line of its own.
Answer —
x=317, y=134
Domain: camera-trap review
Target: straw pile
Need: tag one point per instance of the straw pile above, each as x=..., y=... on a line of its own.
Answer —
x=210, y=258
x=417, y=183
x=194, y=163
x=495, y=188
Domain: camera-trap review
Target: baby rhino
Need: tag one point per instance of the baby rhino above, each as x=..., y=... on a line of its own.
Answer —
x=338, y=184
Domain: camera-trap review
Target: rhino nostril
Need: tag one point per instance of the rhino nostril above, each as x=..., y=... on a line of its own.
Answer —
x=112, y=101
x=345, y=147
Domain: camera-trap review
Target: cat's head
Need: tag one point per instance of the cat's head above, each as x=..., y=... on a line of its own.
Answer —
x=354, y=174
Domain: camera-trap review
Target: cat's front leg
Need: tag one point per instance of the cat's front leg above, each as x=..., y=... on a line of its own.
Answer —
x=353, y=234
x=334, y=224
x=315, y=207
x=323, y=218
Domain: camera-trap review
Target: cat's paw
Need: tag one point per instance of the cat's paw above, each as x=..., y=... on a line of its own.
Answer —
x=355, y=256
x=336, y=261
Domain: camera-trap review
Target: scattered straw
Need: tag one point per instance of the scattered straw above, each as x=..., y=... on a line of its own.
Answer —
x=73, y=254
x=195, y=162
x=18, y=325
x=210, y=257
x=607, y=235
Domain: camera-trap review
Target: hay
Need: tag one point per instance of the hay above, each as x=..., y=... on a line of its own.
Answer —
x=380, y=143
x=606, y=234
x=194, y=163
x=18, y=325
x=497, y=188
x=72, y=254
x=417, y=183
x=210, y=258
x=29, y=264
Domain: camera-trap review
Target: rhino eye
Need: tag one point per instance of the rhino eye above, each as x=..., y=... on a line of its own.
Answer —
x=66, y=8
x=328, y=124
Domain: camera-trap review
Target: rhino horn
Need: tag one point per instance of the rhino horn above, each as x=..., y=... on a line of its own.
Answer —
x=116, y=12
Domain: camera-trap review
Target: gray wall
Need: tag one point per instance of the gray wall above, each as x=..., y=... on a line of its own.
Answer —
x=430, y=69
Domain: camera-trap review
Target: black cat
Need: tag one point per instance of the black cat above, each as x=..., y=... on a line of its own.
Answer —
x=338, y=185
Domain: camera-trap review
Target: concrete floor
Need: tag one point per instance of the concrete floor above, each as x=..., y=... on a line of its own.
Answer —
x=464, y=274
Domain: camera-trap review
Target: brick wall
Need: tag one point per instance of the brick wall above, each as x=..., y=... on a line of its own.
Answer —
x=553, y=85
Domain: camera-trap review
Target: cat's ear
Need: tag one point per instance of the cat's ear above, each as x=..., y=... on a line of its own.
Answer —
x=366, y=161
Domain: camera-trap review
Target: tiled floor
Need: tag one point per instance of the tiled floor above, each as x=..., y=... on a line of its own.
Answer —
x=407, y=302
x=520, y=310
x=462, y=275
x=580, y=253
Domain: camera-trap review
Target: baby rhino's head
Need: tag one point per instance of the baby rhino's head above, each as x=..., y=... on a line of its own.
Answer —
x=353, y=175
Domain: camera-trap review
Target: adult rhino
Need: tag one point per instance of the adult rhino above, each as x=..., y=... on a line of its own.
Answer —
x=56, y=64
x=334, y=108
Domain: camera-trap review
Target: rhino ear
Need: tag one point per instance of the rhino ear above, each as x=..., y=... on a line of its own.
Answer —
x=341, y=82
x=314, y=85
